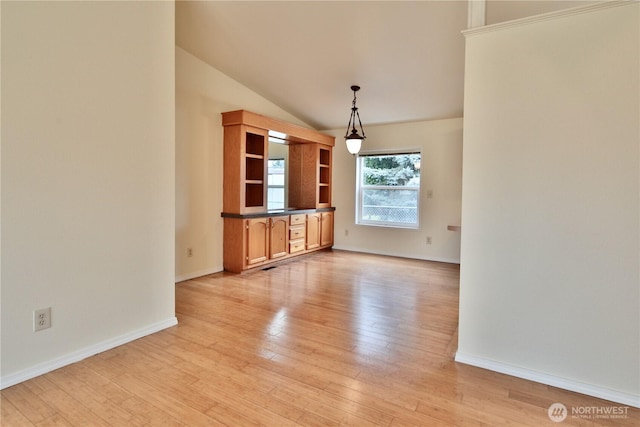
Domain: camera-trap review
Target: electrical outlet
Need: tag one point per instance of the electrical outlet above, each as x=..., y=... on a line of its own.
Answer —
x=41, y=319
x=428, y=240
x=189, y=252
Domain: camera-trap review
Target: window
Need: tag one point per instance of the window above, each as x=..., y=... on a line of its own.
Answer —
x=388, y=189
x=275, y=184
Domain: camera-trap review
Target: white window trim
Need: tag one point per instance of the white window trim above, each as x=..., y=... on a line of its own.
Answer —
x=278, y=186
x=359, y=190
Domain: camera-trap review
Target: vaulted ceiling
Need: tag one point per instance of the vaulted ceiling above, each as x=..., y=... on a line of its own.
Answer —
x=407, y=56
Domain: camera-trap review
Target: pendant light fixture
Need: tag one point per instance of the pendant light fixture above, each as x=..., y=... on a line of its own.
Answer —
x=354, y=140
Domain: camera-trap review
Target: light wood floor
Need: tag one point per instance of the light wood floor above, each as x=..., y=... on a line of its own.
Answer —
x=336, y=338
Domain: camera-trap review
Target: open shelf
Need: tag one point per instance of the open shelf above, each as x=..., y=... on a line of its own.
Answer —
x=325, y=157
x=254, y=194
x=254, y=169
x=325, y=174
x=254, y=235
x=255, y=145
x=246, y=152
x=323, y=196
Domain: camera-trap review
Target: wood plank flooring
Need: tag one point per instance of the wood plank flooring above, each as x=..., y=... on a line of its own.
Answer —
x=335, y=338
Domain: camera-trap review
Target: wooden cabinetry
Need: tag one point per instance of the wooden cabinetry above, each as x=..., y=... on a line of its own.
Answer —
x=253, y=236
x=313, y=230
x=257, y=236
x=252, y=242
x=278, y=237
x=319, y=230
x=297, y=233
x=266, y=239
x=245, y=171
x=326, y=229
x=258, y=241
x=310, y=176
x=324, y=177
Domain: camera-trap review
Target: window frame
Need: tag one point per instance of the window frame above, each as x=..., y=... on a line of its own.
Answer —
x=360, y=188
x=277, y=186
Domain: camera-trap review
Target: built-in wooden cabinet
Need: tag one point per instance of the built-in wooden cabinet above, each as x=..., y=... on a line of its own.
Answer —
x=254, y=236
x=310, y=176
x=297, y=233
x=245, y=170
x=255, y=241
x=258, y=241
x=324, y=177
x=278, y=237
x=319, y=230
x=257, y=236
x=326, y=229
x=314, y=220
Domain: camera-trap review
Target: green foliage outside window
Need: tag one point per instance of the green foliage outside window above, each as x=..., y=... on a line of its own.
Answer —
x=389, y=188
x=392, y=170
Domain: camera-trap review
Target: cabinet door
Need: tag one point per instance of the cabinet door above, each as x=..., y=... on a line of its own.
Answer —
x=313, y=230
x=257, y=240
x=326, y=229
x=278, y=236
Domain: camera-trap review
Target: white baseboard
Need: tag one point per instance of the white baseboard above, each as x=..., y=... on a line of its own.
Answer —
x=76, y=356
x=552, y=380
x=200, y=273
x=408, y=256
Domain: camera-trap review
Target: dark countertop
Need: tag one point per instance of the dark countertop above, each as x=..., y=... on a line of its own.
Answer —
x=279, y=212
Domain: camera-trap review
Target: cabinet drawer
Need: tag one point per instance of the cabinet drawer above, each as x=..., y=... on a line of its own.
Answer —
x=297, y=219
x=296, y=232
x=296, y=246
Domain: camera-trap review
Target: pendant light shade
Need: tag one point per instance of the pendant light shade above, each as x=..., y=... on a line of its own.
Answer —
x=354, y=144
x=353, y=139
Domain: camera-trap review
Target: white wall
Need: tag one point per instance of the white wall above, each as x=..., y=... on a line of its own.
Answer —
x=440, y=142
x=87, y=178
x=202, y=93
x=550, y=241
x=507, y=10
